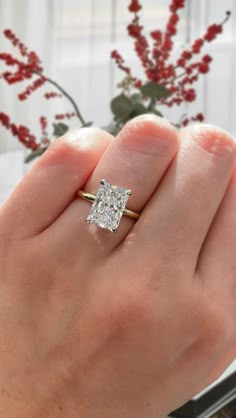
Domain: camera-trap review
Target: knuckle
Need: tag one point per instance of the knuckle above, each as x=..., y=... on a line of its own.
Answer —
x=149, y=134
x=212, y=139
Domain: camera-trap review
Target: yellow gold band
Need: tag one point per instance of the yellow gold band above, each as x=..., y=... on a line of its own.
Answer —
x=90, y=197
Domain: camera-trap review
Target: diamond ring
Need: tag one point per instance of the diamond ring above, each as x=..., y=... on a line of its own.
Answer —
x=108, y=205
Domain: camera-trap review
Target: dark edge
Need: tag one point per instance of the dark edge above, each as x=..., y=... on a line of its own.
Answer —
x=216, y=395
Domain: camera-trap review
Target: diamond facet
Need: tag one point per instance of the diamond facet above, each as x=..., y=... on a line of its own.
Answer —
x=108, y=206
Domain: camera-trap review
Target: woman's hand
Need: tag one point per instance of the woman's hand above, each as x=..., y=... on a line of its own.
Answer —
x=133, y=324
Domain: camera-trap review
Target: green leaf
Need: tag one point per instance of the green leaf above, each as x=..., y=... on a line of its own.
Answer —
x=156, y=112
x=60, y=129
x=154, y=90
x=112, y=128
x=35, y=154
x=138, y=109
x=87, y=124
x=121, y=106
x=135, y=98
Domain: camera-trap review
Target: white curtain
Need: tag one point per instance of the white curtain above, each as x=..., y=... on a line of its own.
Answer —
x=31, y=20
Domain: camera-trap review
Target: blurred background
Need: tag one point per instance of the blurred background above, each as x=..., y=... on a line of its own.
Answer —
x=74, y=39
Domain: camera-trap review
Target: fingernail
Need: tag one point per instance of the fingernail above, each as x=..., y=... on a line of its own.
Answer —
x=213, y=139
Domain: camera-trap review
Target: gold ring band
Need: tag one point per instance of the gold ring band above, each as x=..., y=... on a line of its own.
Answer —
x=90, y=197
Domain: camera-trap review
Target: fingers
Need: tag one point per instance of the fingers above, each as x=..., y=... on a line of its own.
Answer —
x=217, y=262
x=50, y=186
x=136, y=160
x=175, y=222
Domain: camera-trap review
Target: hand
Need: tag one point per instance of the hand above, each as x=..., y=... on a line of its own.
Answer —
x=132, y=324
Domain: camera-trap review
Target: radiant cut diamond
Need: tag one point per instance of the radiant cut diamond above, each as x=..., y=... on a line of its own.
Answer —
x=108, y=206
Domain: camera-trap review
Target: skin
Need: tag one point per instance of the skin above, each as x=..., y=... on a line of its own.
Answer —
x=131, y=324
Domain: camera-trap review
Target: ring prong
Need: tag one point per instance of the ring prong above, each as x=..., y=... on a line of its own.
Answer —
x=87, y=221
x=129, y=192
x=102, y=181
x=114, y=229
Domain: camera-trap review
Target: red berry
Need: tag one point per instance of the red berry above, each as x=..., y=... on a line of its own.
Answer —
x=186, y=55
x=5, y=120
x=14, y=129
x=138, y=84
x=185, y=122
x=181, y=62
x=203, y=68
x=134, y=6
x=8, y=33
x=207, y=59
x=156, y=35
x=171, y=29
x=174, y=18
x=212, y=32
x=200, y=117
x=176, y=4
x=134, y=30
x=197, y=46
x=189, y=95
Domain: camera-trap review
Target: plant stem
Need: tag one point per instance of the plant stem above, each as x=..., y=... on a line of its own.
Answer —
x=151, y=104
x=67, y=95
x=176, y=77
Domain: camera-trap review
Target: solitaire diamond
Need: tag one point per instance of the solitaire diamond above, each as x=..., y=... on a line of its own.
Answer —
x=108, y=206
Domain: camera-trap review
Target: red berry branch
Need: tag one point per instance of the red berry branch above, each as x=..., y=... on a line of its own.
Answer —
x=166, y=82
x=29, y=68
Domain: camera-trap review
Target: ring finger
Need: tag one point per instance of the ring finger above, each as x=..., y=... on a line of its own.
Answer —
x=136, y=160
